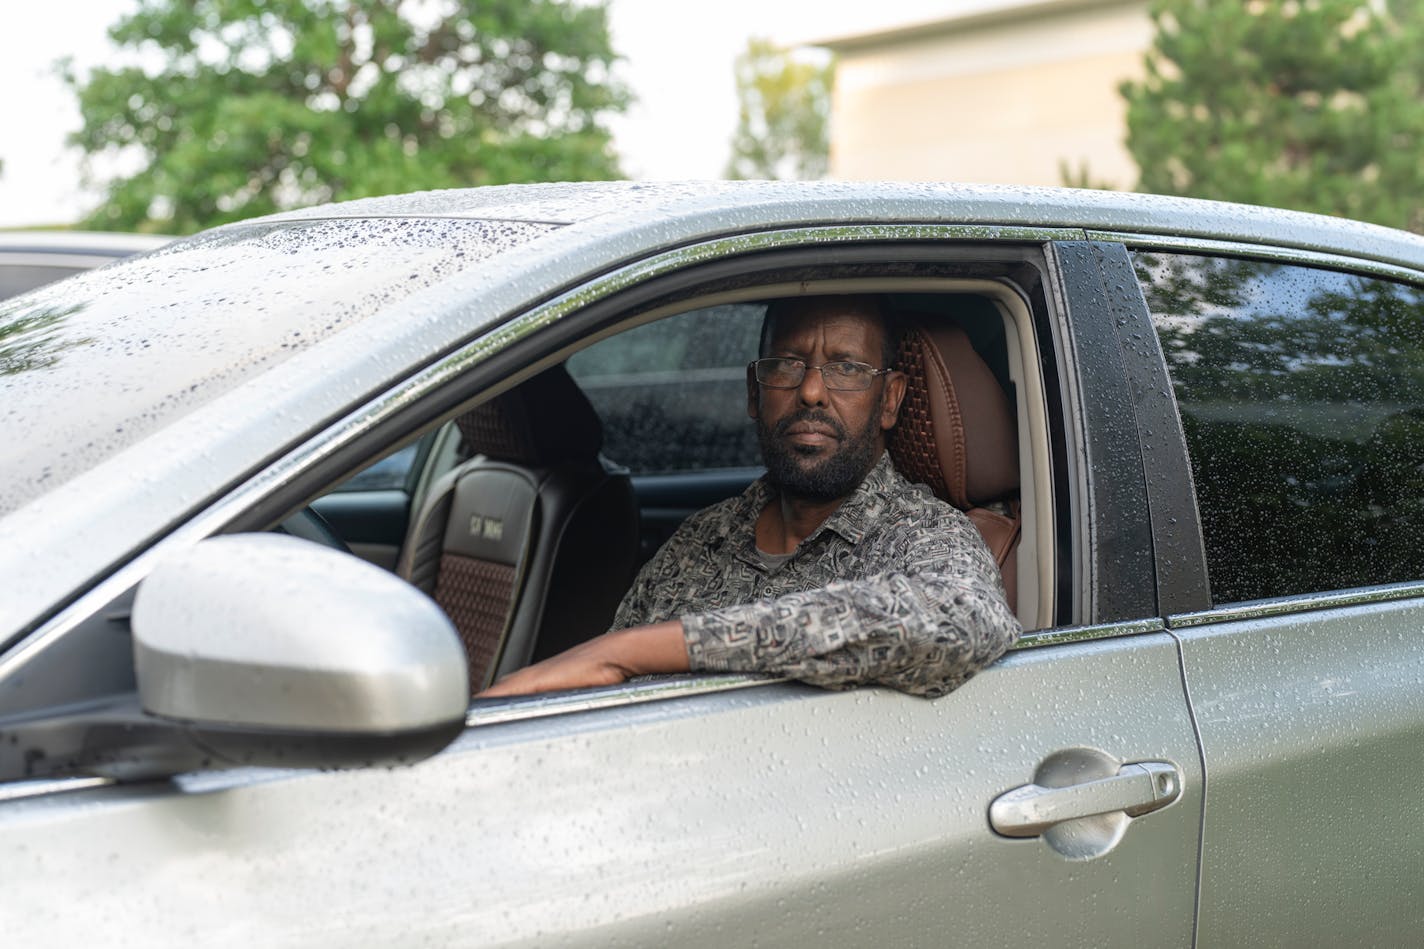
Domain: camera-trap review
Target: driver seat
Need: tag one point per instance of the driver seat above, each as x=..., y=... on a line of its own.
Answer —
x=957, y=433
x=533, y=540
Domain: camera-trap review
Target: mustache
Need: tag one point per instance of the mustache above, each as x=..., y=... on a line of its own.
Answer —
x=809, y=415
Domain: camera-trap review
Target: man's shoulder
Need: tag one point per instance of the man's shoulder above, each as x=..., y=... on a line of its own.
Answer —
x=917, y=510
x=899, y=496
x=887, y=508
x=914, y=513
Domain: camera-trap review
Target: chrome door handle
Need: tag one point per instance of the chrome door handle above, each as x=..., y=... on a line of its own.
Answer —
x=1136, y=789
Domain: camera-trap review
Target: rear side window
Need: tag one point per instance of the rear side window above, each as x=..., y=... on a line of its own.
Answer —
x=673, y=394
x=1302, y=397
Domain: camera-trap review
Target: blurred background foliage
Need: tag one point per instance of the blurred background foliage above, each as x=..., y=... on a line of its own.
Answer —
x=235, y=108
x=783, y=113
x=1315, y=105
x=229, y=109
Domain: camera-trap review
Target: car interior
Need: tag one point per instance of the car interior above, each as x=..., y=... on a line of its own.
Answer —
x=531, y=540
x=526, y=515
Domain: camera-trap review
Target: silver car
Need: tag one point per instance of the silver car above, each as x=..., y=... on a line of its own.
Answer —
x=277, y=499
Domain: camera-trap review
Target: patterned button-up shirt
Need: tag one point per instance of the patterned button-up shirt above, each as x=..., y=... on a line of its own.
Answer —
x=895, y=587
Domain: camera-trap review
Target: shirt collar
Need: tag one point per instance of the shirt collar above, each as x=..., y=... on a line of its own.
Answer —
x=741, y=533
x=853, y=518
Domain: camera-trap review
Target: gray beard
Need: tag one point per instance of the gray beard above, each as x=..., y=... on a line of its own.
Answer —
x=833, y=477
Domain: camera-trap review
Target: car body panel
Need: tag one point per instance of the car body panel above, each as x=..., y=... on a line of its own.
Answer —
x=1312, y=724
x=777, y=815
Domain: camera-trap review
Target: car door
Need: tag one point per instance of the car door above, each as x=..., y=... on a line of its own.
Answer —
x=772, y=815
x=1054, y=799
x=1302, y=395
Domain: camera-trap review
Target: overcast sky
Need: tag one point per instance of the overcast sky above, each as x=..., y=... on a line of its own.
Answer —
x=679, y=64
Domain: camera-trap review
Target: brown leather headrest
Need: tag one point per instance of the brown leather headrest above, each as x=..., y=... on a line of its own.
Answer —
x=957, y=430
x=545, y=420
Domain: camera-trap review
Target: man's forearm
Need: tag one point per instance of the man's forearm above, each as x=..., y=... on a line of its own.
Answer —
x=604, y=660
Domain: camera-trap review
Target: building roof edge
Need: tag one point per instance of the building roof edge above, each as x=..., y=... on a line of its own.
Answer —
x=961, y=22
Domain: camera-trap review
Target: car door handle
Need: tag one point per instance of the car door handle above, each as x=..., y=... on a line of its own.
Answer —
x=1136, y=789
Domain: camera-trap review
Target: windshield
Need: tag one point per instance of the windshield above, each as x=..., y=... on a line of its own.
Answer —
x=91, y=365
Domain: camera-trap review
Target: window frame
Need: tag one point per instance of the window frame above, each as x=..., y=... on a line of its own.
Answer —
x=1036, y=562
x=1143, y=537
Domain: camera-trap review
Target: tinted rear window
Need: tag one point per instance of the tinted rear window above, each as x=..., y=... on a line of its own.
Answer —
x=1302, y=396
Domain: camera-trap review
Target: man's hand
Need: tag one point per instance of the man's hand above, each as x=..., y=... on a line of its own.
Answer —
x=605, y=660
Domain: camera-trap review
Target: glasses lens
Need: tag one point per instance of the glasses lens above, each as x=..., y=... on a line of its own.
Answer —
x=847, y=375
x=780, y=373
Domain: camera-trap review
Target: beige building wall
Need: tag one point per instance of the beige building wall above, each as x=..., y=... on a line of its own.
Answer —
x=1005, y=96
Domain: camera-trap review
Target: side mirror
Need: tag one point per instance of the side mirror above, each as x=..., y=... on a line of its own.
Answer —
x=270, y=650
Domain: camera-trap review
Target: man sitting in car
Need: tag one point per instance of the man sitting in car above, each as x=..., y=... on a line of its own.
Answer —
x=832, y=568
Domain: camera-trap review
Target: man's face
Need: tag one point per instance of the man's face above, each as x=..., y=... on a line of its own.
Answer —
x=819, y=443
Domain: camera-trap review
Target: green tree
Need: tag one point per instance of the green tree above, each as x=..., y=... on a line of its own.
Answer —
x=1316, y=105
x=783, y=113
x=234, y=108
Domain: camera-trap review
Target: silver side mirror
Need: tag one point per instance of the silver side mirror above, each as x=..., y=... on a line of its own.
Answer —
x=275, y=650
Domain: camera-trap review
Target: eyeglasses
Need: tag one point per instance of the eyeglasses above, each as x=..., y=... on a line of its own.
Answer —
x=779, y=372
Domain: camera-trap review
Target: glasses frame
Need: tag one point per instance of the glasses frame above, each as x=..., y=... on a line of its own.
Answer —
x=805, y=368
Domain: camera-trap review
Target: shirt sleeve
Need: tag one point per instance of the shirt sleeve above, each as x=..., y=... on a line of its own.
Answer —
x=924, y=628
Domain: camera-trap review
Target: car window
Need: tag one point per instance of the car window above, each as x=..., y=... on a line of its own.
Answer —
x=672, y=394
x=389, y=473
x=1302, y=396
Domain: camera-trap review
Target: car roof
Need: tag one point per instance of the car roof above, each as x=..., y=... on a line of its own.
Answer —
x=691, y=210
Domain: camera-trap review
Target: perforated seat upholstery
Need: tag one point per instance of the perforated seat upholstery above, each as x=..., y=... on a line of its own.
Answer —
x=957, y=434
x=529, y=545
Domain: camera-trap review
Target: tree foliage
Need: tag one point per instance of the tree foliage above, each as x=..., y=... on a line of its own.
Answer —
x=234, y=108
x=1316, y=105
x=783, y=113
